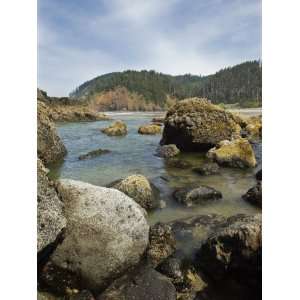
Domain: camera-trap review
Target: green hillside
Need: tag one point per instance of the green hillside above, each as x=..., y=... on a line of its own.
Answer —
x=238, y=84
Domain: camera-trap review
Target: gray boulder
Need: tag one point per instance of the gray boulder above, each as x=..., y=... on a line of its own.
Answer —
x=168, y=151
x=50, y=219
x=107, y=233
x=143, y=283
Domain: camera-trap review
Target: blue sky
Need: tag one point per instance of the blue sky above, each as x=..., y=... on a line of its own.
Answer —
x=81, y=39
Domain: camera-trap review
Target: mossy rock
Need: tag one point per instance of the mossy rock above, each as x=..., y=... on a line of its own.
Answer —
x=118, y=128
x=139, y=189
x=149, y=129
x=237, y=153
x=196, y=124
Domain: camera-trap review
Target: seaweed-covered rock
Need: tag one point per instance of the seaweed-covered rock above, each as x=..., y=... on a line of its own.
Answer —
x=49, y=146
x=139, y=189
x=234, y=251
x=199, y=195
x=254, y=128
x=196, y=124
x=149, y=129
x=106, y=233
x=168, y=151
x=93, y=154
x=143, y=283
x=118, y=128
x=209, y=168
x=161, y=243
x=178, y=163
x=254, y=195
x=158, y=120
x=236, y=153
x=50, y=218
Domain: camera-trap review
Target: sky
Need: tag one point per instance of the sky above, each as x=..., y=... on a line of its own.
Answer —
x=81, y=39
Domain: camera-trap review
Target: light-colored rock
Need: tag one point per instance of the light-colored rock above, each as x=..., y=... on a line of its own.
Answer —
x=168, y=151
x=140, y=190
x=50, y=219
x=149, y=129
x=107, y=233
x=236, y=153
x=118, y=128
x=196, y=124
x=49, y=146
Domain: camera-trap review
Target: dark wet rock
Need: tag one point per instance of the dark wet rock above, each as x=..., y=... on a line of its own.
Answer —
x=57, y=280
x=183, y=275
x=168, y=151
x=199, y=195
x=106, y=233
x=196, y=124
x=178, y=163
x=161, y=243
x=254, y=195
x=93, y=154
x=258, y=175
x=233, y=251
x=140, y=189
x=209, y=168
x=46, y=296
x=237, y=153
x=149, y=129
x=118, y=128
x=82, y=295
x=49, y=146
x=143, y=283
x=50, y=218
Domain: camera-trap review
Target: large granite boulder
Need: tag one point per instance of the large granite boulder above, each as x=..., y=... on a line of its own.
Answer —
x=149, y=129
x=118, y=128
x=233, y=251
x=196, y=124
x=49, y=146
x=139, y=189
x=50, y=218
x=237, y=153
x=106, y=233
x=194, y=196
x=143, y=283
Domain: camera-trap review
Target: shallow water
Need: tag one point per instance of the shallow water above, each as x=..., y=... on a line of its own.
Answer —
x=134, y=153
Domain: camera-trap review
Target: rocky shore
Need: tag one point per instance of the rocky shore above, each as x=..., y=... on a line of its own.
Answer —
x=95, y=243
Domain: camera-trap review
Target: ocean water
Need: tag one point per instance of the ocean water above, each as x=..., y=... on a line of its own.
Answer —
x=135, y=154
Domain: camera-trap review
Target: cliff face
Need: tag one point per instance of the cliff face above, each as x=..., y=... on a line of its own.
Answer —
x=121, y=99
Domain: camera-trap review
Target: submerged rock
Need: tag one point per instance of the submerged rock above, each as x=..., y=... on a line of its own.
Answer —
x=209, y=168
x=143, y=283
x=193, y=196
x=254, y=195
x=161, y=243
x=168, y=151
x=106, y=233
x=196, y=124
x=234, y=251
x=178, y=163
x=149, y=129
x=158, y=120
x=49, y=146
x=236, y=153
x=50, y=218
x=139, y=189
x=82, y=295
x=118, y=128
x=93, y=154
